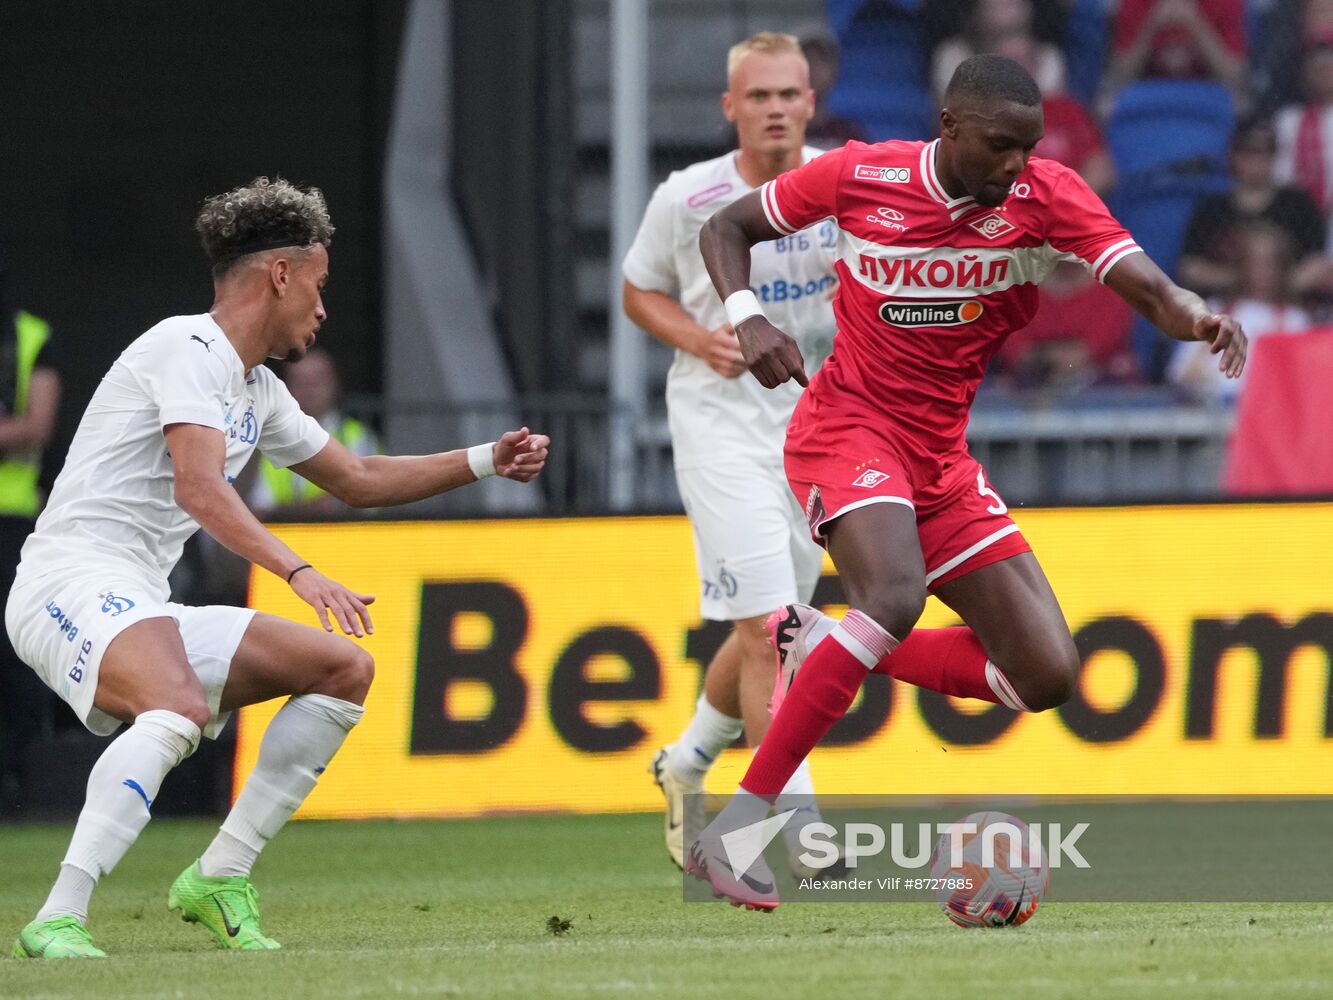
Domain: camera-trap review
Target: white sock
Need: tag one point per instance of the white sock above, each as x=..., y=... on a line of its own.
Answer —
x=70, y=895
x=798, y=794
x=228, y=855
x=121, y=788
x=708, y=734
x=297, y=746
x=743, y=809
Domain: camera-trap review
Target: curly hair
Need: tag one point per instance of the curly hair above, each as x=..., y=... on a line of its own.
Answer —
x=263, y=215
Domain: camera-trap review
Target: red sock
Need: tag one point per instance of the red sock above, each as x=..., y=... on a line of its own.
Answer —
x=820, y=696
x=950, y=661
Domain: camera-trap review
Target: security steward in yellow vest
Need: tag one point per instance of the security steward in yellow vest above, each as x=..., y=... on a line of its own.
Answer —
x=29, y=399
x=286, y=489
x=281, y=493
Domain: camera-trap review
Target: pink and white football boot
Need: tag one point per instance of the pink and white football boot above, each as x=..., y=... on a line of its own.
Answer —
x=794, y=630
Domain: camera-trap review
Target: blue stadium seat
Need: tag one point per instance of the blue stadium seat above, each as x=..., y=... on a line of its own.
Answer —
x=883, y=51
x=1175, y=124
x=1169, y=141
x=1086, y=38
x=841, y=13
x=886, y=111
x=882, y=74
x=1156, y=208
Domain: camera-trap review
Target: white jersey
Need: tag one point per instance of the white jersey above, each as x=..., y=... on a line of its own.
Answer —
x=114, y=501
x=715, y=419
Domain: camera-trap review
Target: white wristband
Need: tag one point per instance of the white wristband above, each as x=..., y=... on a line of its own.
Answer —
x=740, y=306
x=481, y=460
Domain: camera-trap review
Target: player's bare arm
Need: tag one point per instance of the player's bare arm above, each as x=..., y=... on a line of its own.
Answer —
x=202, y=491
x=725, y=242
x=667, y=320
x=33, y=427
x=1178, y=312
x=389, y=480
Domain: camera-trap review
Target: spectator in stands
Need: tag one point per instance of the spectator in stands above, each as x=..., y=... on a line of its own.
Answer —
x=1211, y=255
x=1316, y=17
x=1305, y=131
x=1079, y=337
x=317, y=389
x=1264, y=304
x=1281, y=30
x=29, y=399
x=826, y=130
x=988, y=25
x=1072, y=136
x=1177, y=40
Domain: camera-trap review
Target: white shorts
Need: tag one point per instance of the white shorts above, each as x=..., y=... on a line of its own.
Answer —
x=750, y=539
x=61, y=623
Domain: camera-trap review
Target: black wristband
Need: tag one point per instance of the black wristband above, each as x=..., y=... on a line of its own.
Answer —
x=297, y=570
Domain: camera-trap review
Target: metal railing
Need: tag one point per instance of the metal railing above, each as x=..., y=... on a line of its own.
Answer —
x=1120, y=447
x=1103, y=455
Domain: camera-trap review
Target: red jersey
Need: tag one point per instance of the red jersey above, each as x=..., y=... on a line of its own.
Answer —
x=931, y=285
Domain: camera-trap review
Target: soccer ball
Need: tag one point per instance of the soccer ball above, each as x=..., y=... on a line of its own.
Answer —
x=1004, y=894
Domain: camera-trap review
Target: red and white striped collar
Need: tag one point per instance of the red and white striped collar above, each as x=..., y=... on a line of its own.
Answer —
x=930, y=179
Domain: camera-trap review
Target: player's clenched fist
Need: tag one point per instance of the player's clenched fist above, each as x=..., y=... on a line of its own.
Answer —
x=773, y=356
x=520, y=454
x=723, y=353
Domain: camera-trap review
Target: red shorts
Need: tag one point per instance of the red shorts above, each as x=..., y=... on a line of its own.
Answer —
x=838, y=462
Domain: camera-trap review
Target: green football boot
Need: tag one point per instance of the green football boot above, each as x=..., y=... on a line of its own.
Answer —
x=228, y=905
x=59, y=937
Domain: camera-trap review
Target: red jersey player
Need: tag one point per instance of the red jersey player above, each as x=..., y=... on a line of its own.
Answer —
x=941, y=247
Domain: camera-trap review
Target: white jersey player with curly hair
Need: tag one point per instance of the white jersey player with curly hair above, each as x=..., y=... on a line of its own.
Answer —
x=167, y=432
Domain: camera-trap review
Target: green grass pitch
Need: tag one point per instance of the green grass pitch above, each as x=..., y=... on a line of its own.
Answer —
x=463, y=908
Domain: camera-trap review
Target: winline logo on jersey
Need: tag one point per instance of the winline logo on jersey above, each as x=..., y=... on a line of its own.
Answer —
x=930, y=313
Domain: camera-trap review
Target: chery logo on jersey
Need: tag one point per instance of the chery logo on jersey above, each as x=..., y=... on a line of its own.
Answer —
x=993, y=226
x=928, y=314
x=886, y=175
x=889, y=218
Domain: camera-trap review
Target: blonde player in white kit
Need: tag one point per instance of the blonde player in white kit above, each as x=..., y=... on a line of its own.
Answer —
x=751, y=540
x=166, y=433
